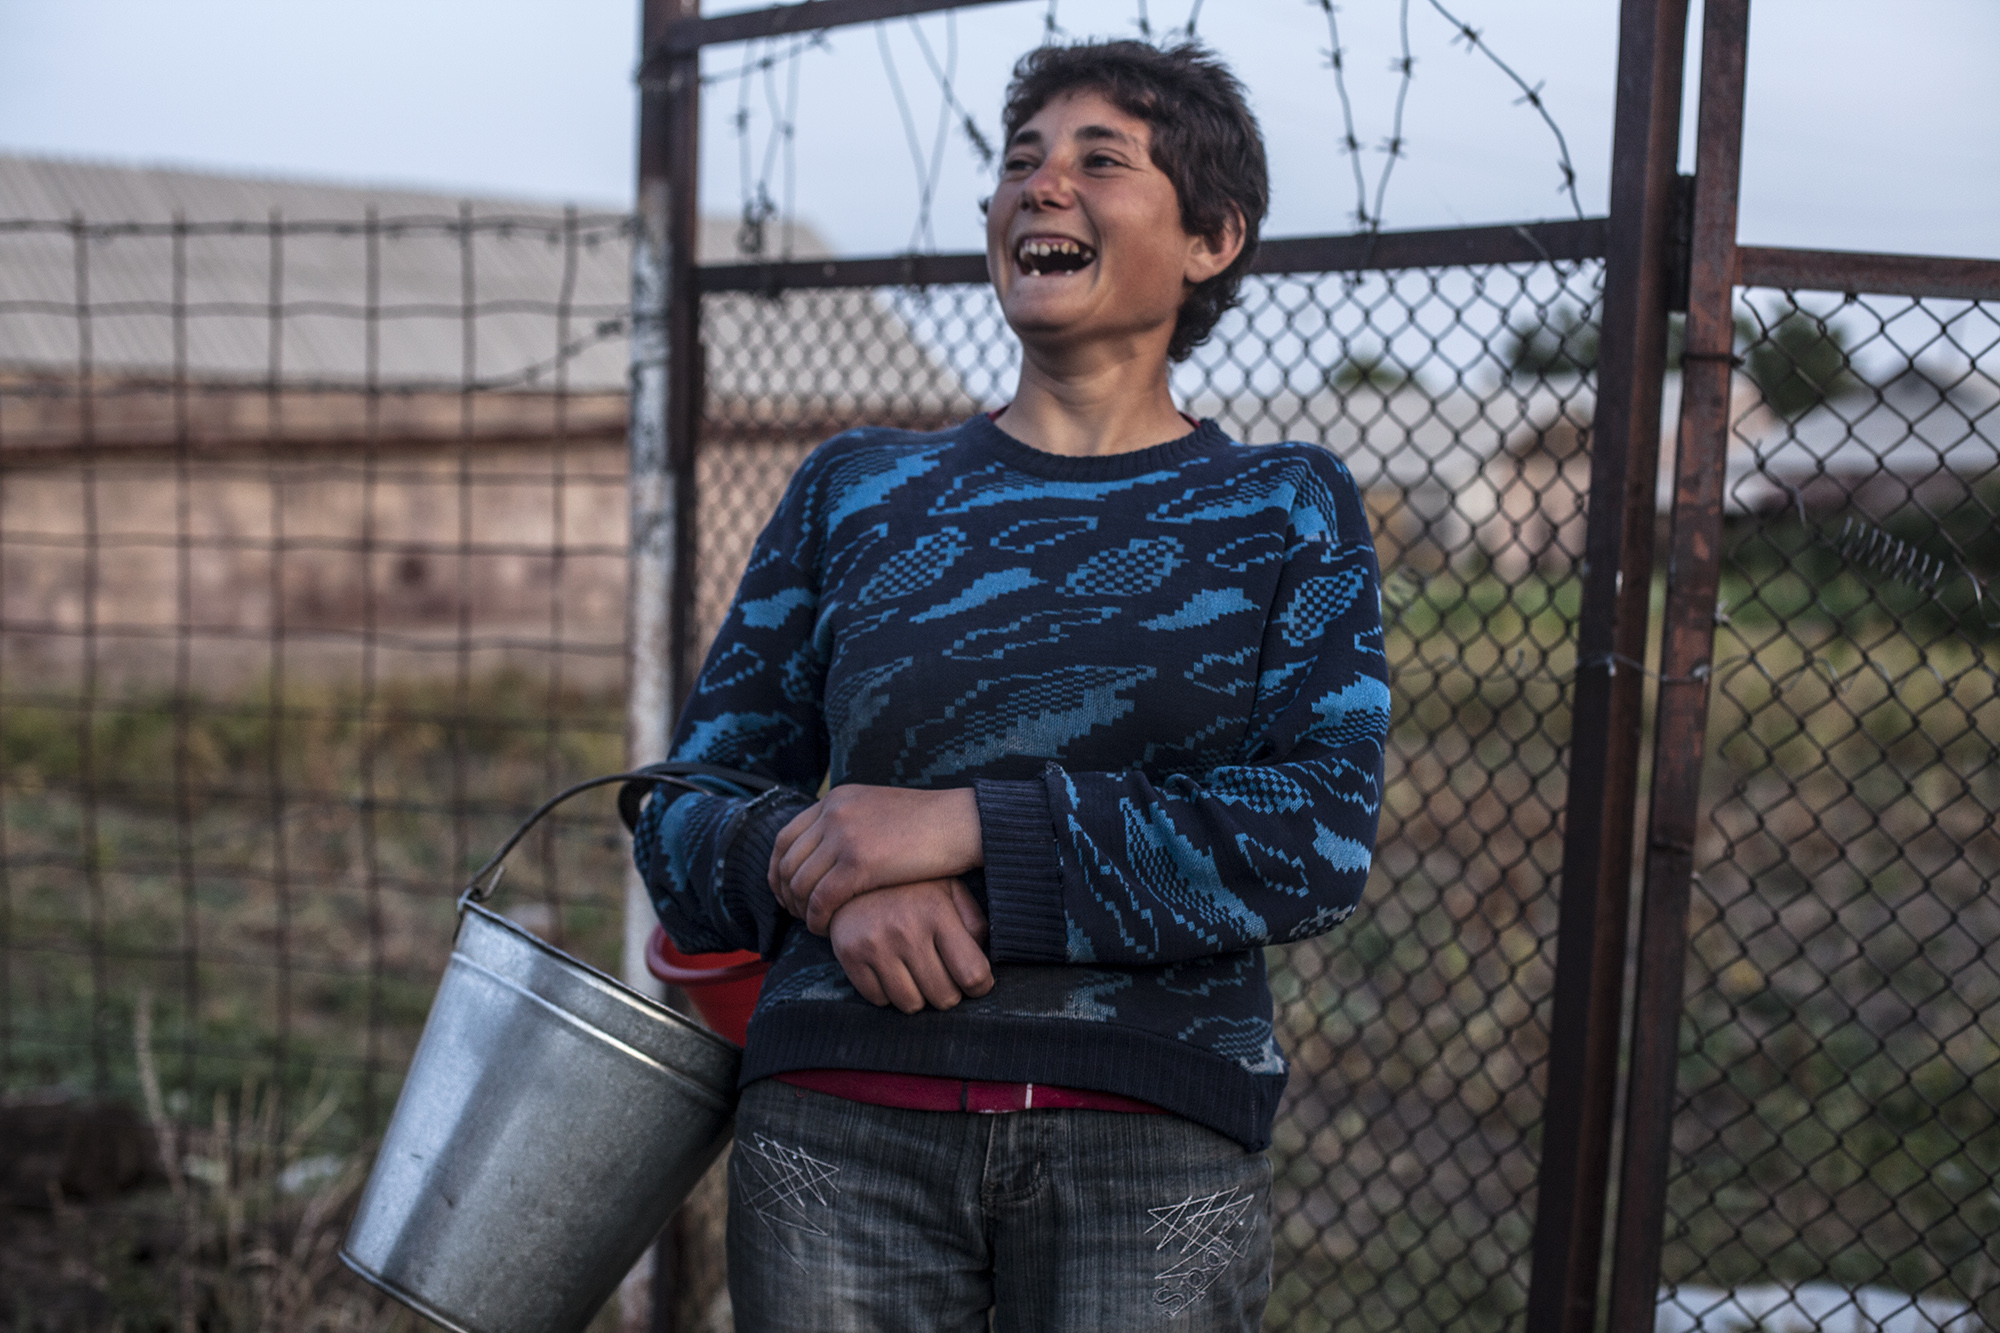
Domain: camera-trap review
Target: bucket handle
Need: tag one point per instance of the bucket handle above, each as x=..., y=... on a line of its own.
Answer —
x=487, y=878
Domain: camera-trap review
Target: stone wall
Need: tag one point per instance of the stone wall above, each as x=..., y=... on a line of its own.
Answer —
x=318, y=563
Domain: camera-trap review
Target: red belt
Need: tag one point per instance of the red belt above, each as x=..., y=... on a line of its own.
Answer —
x=929, y=1092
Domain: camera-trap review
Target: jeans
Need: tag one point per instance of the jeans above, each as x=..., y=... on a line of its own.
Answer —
x=851, y=1218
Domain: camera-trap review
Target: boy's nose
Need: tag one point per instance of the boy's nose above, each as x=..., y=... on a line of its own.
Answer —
x=1048, y=186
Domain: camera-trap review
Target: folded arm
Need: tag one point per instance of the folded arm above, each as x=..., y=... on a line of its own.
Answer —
x=1117, y=867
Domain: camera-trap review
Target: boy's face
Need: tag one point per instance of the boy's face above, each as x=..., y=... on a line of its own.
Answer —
x=1083, y=236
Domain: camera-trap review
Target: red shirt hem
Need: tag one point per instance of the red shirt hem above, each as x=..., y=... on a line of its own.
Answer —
x=931, y=1092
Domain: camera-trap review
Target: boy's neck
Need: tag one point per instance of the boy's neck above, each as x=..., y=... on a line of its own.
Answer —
x=1116, y=406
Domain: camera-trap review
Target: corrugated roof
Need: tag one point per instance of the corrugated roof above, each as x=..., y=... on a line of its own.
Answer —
x=288, y=274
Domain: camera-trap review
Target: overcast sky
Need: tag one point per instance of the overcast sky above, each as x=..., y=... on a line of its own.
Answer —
x=1870, y=126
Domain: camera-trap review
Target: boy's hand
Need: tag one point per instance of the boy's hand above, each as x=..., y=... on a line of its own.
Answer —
x=914, y=944
x=857, y=839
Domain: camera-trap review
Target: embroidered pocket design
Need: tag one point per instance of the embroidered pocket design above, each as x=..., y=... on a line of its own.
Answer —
x=785, y=1188
x=1204, y=1236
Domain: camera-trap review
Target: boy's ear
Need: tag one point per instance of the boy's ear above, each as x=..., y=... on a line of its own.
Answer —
x=1212, y=254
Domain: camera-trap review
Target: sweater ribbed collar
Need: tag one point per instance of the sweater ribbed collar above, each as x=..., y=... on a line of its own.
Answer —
x=980, y=432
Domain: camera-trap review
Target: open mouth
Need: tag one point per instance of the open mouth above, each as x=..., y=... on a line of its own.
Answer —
x=1052, y=254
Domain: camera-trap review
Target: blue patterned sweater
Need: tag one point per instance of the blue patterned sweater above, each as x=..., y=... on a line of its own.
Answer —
x=1163, y=674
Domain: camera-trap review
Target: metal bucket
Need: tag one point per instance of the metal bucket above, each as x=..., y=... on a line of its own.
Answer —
x=551, y=1121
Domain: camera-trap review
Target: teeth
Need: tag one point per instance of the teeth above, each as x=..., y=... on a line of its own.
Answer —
x=1051, y=248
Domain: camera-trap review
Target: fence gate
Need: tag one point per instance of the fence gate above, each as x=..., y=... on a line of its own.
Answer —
x=1809, y=1091
x=1445, y=1145
x=1814, y=1109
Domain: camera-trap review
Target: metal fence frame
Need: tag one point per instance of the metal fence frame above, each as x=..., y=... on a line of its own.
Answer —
x=1635, y=242
x=1668, y=244
x=1718, y=268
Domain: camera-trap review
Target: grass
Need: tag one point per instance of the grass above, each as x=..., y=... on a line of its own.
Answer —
x=1405, y=1153
x=244, y=1236
x=280, y=874
x=264, y=888
x=1838, y=1065
x=1841, y=1065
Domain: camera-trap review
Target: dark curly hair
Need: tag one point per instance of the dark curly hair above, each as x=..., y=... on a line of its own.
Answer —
x=1203, y=137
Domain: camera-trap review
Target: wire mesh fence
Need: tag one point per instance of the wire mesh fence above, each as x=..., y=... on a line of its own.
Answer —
x=1837, y=1147
x=312, y=565
x=311, y=580
x=1405, y=1150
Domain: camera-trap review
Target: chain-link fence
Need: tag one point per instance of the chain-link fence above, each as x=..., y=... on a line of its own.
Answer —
x=312, y=567
x=1837, y=1145
x=313, y=577
x=1460, y=399
x=312, y=556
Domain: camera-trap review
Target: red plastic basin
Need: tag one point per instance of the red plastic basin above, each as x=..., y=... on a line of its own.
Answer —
x=723, y=986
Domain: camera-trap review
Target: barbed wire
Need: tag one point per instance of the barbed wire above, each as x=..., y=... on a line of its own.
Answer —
x=796, y=46
x=1395, y=145
x=591, y=229
x=982, y=147
x=603, y=331
x=952, y=114
x=925, y=185
x=1392, y=147
x=791, y=124
x=760, y=208
x=1350, y=142
x=1532, y=96
x=952, y=111
x=757, y=204
x=780, y=139
x=1051, y=29
x=1144, y=22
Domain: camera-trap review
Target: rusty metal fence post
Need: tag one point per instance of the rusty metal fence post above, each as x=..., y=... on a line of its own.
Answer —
x=1694, y=570
x=650, y=480
x=660, y=488
x=1605, y=731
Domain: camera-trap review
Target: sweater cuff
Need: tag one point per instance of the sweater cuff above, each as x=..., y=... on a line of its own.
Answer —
x=746, y=868
x=1024, y=905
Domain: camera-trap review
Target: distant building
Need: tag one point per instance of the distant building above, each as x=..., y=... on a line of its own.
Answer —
x=1924, y=436
x=1496, y=474
x=355, y=403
